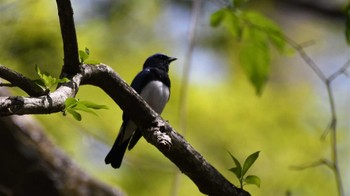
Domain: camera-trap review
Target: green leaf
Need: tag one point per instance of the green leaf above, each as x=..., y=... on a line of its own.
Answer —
x=249, y=162
x=255, y=58
x=217, y=17
x=74, y=113
x=93, y=105
x=37, y=69
x=252, y=179
x=84, y=55
x=234, y=24
x=82, y=107
x=274, y=33
x=70, y=102
x=238, y=169
x=40, y=83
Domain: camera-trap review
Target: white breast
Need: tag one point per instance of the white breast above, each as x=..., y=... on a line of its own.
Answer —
x=156, y=94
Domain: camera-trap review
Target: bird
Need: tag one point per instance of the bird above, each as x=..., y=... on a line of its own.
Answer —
x=153, y=84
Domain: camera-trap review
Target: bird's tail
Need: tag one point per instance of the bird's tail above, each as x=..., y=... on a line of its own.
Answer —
x=116, y=154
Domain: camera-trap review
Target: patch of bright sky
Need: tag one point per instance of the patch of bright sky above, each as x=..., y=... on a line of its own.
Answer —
x=207, y=66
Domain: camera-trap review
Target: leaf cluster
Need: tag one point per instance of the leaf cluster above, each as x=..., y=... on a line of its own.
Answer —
x=47, y=81
x=240, y=172
x=73, y=105
x=257, y=34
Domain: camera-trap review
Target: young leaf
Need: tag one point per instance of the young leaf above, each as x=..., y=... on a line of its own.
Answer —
x=93, y=105
x=82, y=107
x=252, y=179
x=238, y=169
x=249, y=162
x=217, y=17
x=270, y=28
x=84, y=55
x=255, y=59
x=75, y=114
x=70, y=103
x=37, y=69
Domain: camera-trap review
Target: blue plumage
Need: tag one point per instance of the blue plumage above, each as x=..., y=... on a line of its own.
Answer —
x=153, y=84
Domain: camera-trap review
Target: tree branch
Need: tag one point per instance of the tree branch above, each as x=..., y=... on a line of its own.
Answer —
x=46, y=104
x=70, y=44
x=21, y=81
x=155, y=130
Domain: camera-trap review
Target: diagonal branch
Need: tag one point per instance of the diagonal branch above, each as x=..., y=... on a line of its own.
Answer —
x=21, y=81
x=70, y=44
x=155, y=130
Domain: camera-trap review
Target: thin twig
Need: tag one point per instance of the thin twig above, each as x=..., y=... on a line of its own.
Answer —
x=314, y=164
x=342, y=70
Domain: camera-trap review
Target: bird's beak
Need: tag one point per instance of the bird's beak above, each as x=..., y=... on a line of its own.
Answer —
x=171, y=59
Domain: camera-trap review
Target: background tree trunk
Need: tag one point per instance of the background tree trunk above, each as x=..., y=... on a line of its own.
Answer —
x=32, y=165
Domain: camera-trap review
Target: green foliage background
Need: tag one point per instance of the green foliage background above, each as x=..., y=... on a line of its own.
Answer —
x=285, y=123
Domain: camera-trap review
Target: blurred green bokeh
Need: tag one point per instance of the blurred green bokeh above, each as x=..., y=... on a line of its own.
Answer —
x=285, y=123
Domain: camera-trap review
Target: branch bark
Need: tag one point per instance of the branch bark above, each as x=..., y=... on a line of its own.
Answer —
x=21, y=81
x=69, y=37
x=155, y=130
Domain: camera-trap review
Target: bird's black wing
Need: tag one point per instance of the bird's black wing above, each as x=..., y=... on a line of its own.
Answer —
x=138, y=83
x=152, y=74
x=116, y=154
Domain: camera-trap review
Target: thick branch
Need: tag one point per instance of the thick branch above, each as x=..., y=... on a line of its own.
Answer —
x=21, y=81
x=46, y=104
x=156, y=130
x=70, y=44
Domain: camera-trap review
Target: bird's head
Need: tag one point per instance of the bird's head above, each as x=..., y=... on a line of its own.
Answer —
x=160, y=61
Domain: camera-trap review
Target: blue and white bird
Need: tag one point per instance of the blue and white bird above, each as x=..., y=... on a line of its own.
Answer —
x=153, y=84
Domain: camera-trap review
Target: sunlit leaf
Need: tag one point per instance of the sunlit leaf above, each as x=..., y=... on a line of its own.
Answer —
x=37, y=69
x=255, y=58
x=83, y=55
x=70, y=102
x=93, y=105
x=252, y=179
x=217, y=17
x=249, y=162
x=82, y=107
x=74, y=113
x=234, y=24
x=270, y=28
